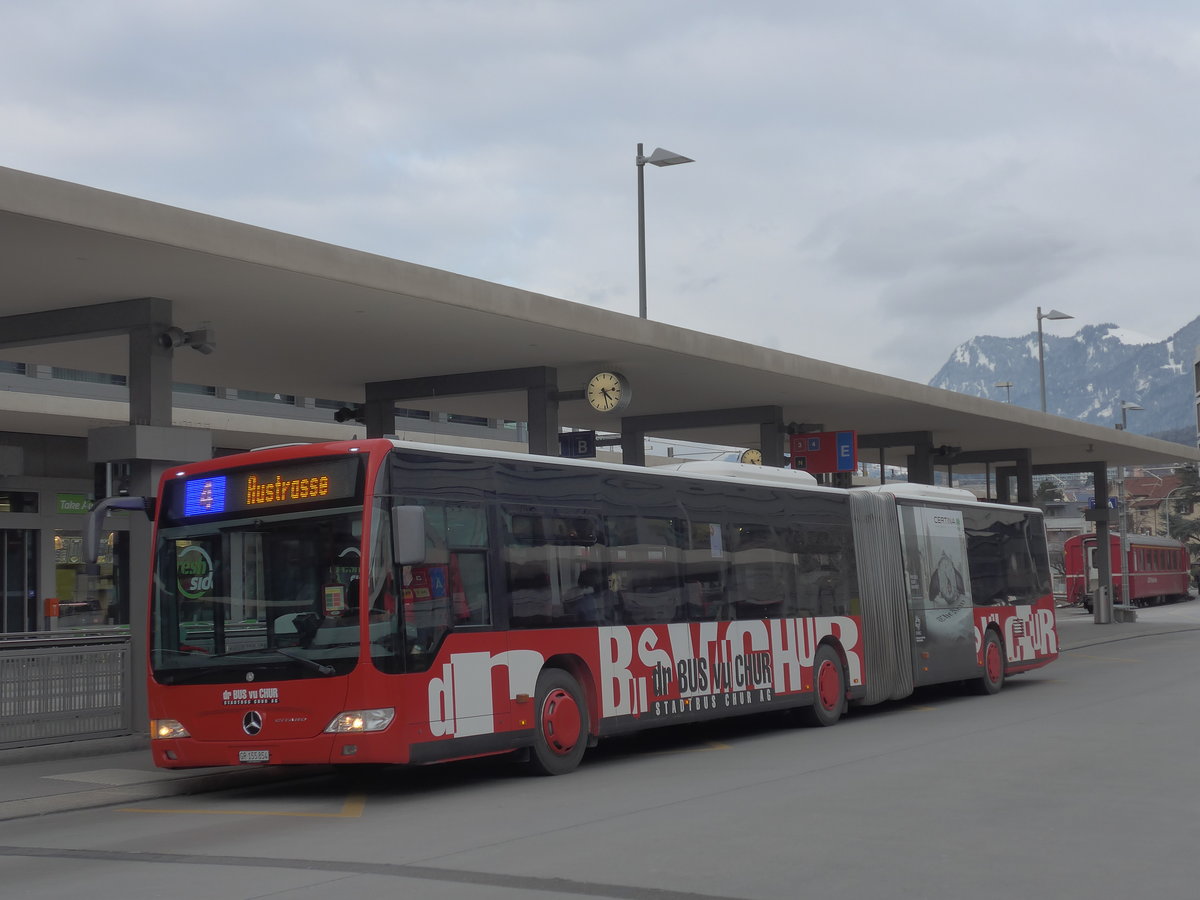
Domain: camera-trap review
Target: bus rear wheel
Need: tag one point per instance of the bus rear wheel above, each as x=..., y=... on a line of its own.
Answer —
x=991, y=679
x=829, y=689
x=561, y=729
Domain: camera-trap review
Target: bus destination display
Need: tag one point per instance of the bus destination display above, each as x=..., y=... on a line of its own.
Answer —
x=284, y=485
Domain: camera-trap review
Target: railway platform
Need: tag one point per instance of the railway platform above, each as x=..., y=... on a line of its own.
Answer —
x=87, y=774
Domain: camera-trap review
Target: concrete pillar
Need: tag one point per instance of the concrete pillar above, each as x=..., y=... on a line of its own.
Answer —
x=633, y=446
x=1024, y=460
x=379, y=417
x=150, y=369
x=772, y=441
x=149, y=450
x=543, y=418
x=920, y=465
x=1102, y=608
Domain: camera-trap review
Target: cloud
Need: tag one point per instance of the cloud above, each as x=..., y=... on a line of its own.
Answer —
x=869, y=178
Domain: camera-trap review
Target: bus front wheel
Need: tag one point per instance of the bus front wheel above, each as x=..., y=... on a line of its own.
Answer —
x=829, y=689
x=561, y=729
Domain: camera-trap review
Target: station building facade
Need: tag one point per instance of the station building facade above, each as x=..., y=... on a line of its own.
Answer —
x=48, y=484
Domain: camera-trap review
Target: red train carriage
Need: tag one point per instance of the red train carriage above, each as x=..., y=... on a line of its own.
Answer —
x=1158, y=569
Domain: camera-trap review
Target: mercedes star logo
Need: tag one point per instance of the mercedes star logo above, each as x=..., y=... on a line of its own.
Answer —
x=252, y=723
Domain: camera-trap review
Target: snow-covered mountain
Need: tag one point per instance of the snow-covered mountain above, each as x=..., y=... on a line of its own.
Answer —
x=1087, y=376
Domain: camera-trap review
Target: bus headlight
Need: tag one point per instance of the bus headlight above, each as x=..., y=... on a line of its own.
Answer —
x=161, y=729
x=355, y=721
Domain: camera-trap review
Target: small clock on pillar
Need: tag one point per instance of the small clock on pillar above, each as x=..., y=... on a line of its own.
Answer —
x=608, y=392
x=753, y=457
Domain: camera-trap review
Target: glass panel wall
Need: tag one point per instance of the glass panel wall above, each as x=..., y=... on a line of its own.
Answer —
x=18, y=580
x=85, y=601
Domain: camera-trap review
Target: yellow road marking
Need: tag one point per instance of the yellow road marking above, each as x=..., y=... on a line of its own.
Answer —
x=351, y=809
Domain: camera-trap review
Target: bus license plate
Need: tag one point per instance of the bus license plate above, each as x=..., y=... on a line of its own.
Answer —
x=254, y=756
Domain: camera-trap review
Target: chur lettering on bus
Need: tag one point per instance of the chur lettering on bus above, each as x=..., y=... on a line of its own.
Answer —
x=1029, y=632
x=748, y=661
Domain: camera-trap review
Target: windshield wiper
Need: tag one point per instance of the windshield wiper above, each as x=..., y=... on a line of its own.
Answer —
x=310, y=663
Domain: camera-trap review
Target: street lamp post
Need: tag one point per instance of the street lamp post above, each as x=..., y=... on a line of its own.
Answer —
x=1053, y=314
x=659, y=157
x=1167, y=507
x=1126, y=406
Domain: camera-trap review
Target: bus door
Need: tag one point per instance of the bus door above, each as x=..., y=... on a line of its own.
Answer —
x=934, y=547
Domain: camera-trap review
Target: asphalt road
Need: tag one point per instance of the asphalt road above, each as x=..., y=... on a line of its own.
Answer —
x=1077, y=781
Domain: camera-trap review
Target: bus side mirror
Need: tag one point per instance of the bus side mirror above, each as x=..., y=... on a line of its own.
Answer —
x=408, y=535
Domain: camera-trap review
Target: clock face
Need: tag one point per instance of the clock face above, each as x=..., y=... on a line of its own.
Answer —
x=753, y=457
x=608, y=392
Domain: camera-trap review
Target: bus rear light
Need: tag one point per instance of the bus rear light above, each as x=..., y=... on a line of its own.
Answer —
x=359, y=720
x=163, y=729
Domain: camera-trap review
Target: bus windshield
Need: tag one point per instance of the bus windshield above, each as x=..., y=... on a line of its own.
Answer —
x=273, y=597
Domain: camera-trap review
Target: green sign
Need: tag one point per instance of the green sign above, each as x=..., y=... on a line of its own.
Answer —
x=73, y=504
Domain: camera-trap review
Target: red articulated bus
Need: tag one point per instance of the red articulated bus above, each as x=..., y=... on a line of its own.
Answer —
x=1159, y=569
x=387, y=602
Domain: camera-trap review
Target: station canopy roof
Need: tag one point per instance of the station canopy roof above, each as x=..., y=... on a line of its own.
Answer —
x=297, y=316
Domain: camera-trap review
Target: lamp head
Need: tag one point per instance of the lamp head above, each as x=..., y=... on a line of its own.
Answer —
x=1053, y=314
x=203, y=340
x=661, y=157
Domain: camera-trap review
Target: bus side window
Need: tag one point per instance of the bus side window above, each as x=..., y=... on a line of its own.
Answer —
x=1003, y=556
x=763, y=571
x=819, y=567
x=554, y=569
x=450, y=588
x=532, y=604
x=644, y=553
x=456, y=540
x=591, y=602
x=705, y=572
x=466, y=543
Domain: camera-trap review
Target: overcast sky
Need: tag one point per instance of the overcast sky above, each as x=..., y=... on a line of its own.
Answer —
x=875, y=182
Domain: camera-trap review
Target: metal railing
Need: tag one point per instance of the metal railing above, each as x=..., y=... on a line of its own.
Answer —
x=63, y=687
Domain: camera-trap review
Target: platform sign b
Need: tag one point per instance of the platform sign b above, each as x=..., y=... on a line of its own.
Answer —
x=577, y=444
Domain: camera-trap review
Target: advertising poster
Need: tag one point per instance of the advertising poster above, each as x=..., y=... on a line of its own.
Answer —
x=939, y=591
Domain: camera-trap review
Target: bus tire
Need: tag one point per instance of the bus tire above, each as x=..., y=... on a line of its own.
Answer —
x=829, y=690
x=991, y=679
x=561, y=727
